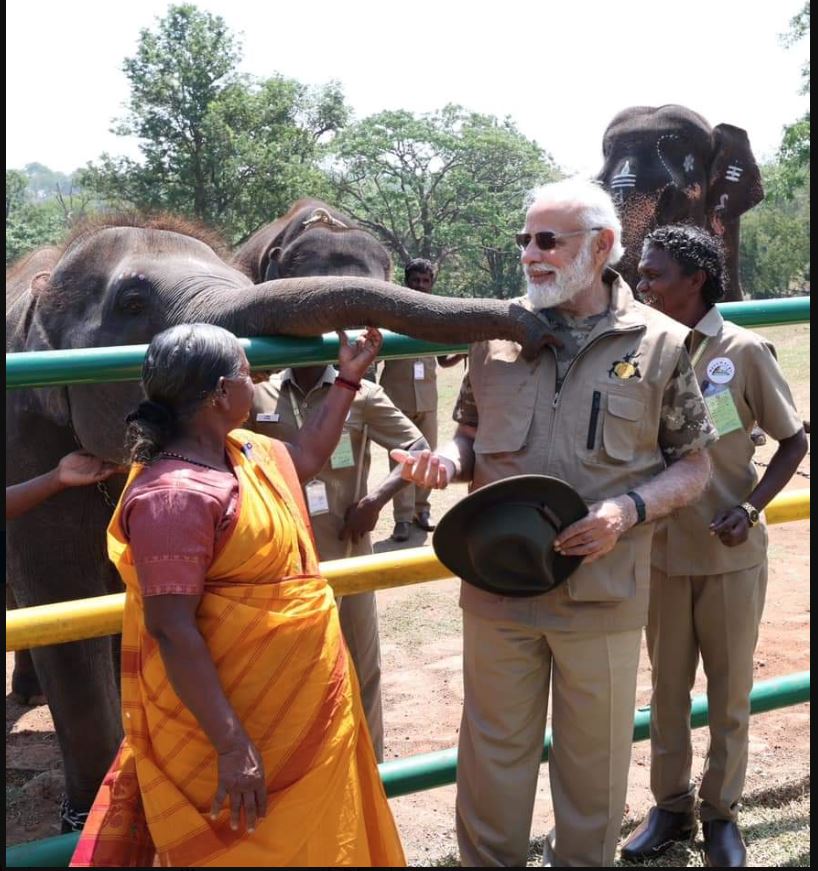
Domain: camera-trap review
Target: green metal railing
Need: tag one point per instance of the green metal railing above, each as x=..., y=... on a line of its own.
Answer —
x=430, y=770
x=124, y=363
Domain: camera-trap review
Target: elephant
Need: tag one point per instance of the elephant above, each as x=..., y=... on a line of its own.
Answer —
x=666, y=165
x=312, y=238
x=118, y=280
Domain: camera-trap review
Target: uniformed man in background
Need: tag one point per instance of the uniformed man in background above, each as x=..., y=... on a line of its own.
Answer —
x=342, y=512
x=412, y=385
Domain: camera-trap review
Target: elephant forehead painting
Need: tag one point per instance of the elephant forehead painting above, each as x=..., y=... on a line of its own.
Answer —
x=667, y=165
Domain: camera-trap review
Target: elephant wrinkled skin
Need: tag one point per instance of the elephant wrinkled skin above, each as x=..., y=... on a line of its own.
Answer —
x=119, y=282
x=666, y=165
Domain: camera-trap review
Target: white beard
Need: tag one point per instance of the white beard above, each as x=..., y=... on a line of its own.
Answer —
x=567, y=283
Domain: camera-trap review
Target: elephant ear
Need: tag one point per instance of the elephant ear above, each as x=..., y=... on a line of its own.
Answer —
x=268, y=265
x=39, y=283
x=734, y=181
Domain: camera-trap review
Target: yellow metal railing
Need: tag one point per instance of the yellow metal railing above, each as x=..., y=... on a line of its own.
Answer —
x=102, y=615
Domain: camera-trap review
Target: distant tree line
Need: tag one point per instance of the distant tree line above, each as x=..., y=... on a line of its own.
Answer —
x=234, y=152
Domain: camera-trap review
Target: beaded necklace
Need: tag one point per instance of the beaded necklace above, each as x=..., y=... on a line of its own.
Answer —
x=173, y=456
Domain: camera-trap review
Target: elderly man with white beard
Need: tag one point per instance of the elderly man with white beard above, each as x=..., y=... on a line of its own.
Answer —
x=616, y=412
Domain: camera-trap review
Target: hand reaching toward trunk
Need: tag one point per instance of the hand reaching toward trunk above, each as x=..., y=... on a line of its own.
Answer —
x=354, y=360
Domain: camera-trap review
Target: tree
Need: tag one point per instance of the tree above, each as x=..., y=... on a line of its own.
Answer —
x=774, y=254
x=794, y=151
x=40, y=206
x=447, y=186
x=226, y=149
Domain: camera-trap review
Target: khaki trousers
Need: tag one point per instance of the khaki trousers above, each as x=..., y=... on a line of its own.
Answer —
x=359, y=624
x=411, y=500
x=716, y=616
x=507, y=671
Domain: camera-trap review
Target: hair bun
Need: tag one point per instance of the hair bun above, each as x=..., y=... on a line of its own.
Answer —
x=156, y=413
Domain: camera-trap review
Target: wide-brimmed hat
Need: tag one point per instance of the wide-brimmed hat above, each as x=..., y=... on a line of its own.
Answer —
x=501, y=537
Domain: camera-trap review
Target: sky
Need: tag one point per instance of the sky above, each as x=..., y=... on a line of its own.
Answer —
x=560, y=70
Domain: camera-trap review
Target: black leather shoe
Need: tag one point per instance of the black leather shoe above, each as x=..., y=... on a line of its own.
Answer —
x=401, y=531
x=658, y=832
x=723, y=846
x=424, y=521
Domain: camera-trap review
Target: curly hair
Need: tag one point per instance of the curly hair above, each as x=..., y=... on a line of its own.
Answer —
x=693, y=248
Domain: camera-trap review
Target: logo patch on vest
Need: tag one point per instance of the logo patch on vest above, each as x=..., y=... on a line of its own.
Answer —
x=625, y=368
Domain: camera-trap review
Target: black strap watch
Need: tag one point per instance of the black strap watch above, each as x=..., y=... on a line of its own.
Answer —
x=752, y=513
x=639, y=502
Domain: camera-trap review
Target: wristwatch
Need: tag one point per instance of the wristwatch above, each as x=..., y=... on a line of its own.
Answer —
x=752, y=513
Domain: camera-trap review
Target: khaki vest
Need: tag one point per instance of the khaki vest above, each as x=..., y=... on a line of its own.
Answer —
x=599, y=433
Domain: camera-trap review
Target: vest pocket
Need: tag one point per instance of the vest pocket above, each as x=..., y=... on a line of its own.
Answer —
x=505, y=420
x=622, y=425
x=611, y=578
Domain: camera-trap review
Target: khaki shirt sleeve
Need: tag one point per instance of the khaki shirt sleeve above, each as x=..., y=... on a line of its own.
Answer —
x=685, y=425
x=465, y=409
x=769, y=396
x=387, y=425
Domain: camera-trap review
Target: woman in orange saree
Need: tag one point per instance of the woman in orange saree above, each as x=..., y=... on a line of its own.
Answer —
x=236, y=685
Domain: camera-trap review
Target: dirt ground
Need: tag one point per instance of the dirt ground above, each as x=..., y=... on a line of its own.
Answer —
x=421, y=651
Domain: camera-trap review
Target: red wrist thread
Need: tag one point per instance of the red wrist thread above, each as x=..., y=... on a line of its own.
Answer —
x=347, y=384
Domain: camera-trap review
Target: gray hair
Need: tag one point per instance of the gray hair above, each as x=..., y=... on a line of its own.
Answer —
x=182, y=368
x=596, y=208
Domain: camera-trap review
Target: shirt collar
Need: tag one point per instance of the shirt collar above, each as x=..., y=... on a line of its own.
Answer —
x=328, y=376
x=711, y=324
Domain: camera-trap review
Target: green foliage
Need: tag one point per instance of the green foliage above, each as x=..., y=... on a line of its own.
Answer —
x=447, y=186
x=31, y=225
x=774, y=253
x=794, y=151
x=228, y=150
x=40, y=206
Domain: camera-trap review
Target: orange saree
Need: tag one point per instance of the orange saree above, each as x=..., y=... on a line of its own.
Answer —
x=271, y=626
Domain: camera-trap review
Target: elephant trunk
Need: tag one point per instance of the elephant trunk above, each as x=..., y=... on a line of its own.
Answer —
x=312, y=306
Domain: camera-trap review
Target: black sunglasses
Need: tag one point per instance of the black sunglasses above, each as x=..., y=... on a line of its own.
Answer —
x=546, y=240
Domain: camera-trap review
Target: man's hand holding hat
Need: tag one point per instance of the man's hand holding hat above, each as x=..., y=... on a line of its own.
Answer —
x=597, y=533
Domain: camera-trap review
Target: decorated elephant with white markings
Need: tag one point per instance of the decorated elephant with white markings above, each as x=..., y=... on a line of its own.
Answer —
x=667, y=165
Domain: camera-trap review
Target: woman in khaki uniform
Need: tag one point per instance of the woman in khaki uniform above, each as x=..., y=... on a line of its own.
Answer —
x=709, y=559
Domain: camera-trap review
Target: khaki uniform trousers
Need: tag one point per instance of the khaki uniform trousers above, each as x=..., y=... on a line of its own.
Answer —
x=507, y=670
x=358, y=614
x=411, y=500
x=717, y=616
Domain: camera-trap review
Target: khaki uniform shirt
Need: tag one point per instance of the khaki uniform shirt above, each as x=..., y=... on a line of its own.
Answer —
x=409, y=393
x=272, y=414
x=627, y=404
x=741, y=366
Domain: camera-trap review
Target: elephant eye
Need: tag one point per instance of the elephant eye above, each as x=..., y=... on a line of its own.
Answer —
x=132, y=302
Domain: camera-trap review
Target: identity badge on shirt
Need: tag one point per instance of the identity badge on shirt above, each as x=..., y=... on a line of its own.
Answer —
x=723, y=411
x=342, y=455
x=420, y=372
x=317, y=502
